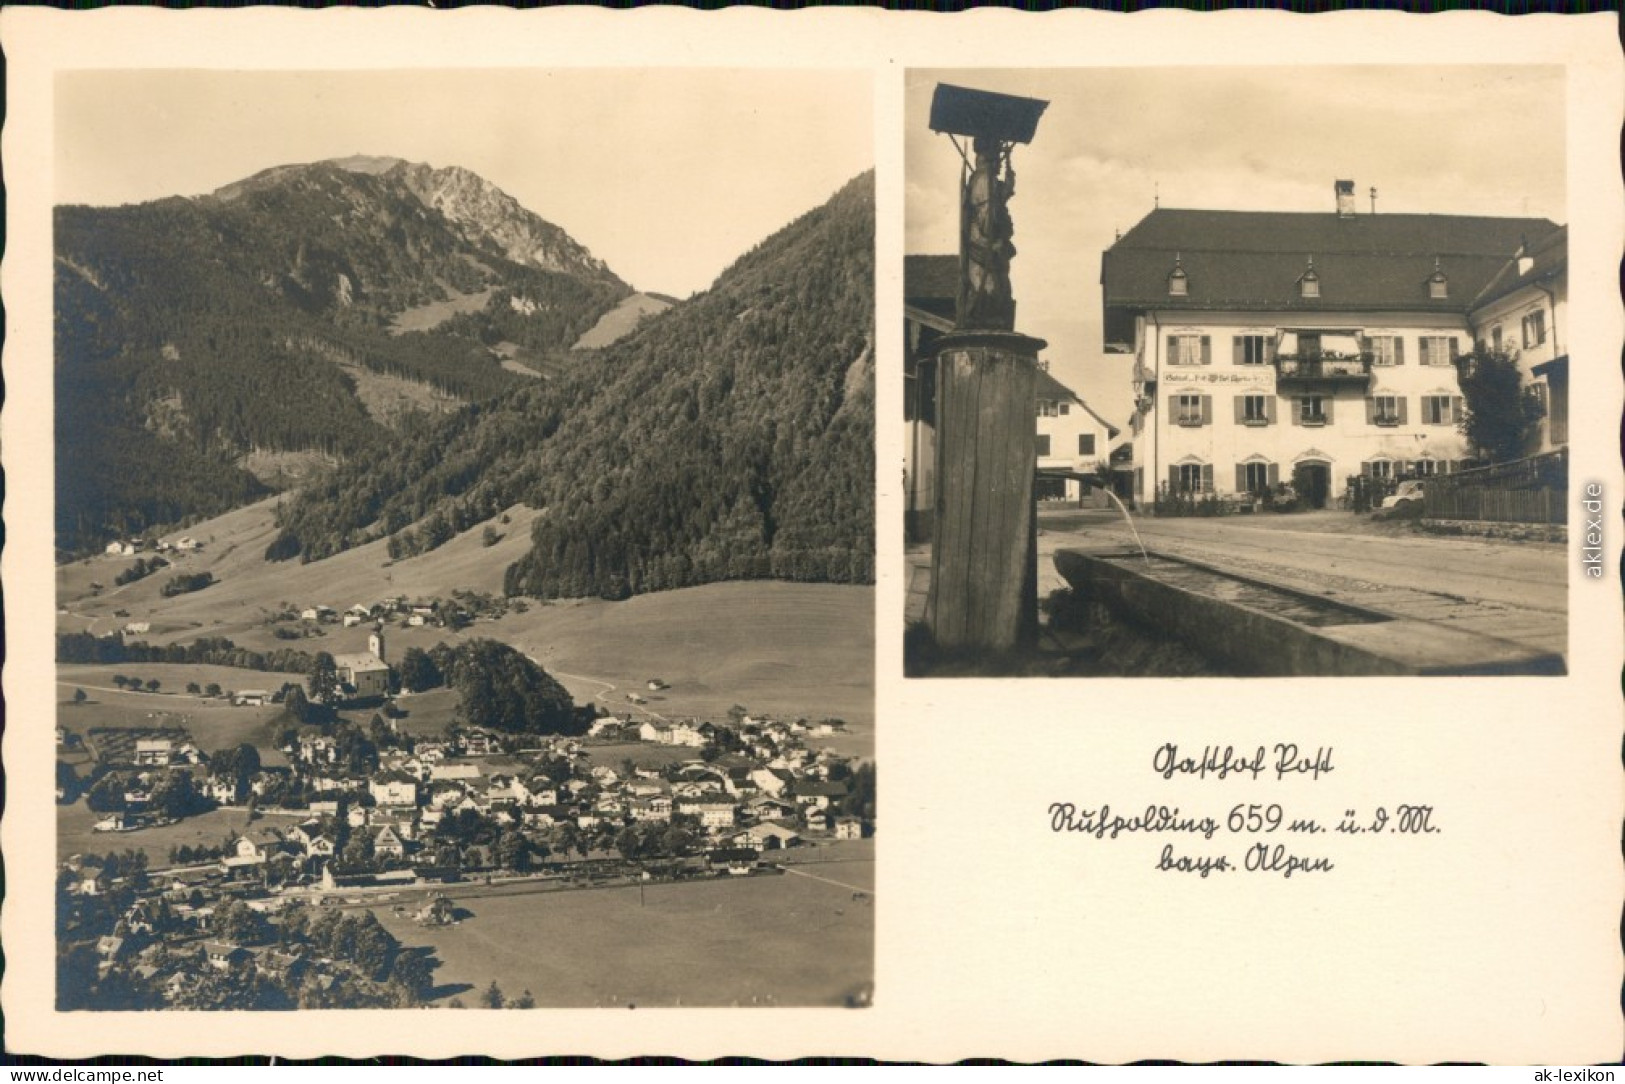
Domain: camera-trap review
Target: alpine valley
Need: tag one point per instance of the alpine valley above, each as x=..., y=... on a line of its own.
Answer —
x=406, y=353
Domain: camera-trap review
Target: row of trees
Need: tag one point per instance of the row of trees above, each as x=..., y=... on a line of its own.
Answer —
x=85, y=647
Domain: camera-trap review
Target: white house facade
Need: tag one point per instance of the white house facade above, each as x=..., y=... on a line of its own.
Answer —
x=1310, y=348
x=1071, y=439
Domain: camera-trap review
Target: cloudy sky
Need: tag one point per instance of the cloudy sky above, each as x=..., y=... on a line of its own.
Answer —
x=1436, y=140
x=666, y=174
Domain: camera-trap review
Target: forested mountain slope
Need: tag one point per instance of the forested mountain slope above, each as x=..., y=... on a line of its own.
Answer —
x=191, y=333
x=731, y=437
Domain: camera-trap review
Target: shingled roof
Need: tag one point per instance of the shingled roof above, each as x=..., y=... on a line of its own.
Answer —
x=1252, y=261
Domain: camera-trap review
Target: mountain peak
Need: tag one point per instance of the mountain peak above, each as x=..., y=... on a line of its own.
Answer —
x=373, y=164
x=483, y=215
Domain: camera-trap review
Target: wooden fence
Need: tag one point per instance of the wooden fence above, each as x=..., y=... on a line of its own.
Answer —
x=1532, y=490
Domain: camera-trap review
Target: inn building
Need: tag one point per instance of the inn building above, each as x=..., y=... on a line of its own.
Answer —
x=1312, y=347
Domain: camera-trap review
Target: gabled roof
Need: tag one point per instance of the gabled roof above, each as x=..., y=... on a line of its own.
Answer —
x=1549, y=257
x=1252, y=260
x=1047, y=387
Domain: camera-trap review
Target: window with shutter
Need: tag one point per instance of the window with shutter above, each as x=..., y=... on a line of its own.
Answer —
x=1086, y=444
x=1186, y=349
x=1042, y=443
x=1251, y=350
x=1436, y=410
x=1382, y=350
x=1439, y=349
x=1188, y=409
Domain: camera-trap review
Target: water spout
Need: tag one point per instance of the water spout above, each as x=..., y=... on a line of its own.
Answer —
x=1121, y=507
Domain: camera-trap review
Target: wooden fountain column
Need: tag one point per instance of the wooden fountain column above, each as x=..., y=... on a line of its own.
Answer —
x=984, y=560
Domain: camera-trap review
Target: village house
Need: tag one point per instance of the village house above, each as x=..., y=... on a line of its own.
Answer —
x=848, y=828
x=227, y=789
x=155, y=752
x=1305, y=347
x=817, y=793
x=711, y=813
x=1524, y=311
x=394, y=789
x=480, y=743
x=388, y=843
x=224, y=956
x=766, y=836
x=452, y=770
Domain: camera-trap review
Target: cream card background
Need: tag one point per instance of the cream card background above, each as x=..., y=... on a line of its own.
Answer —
x=1496, y=941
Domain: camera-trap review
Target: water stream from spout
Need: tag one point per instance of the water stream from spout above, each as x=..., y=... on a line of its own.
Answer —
x=1121, y=507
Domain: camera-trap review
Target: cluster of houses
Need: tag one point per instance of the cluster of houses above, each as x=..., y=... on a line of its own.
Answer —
x=129, y=547
x=436, y=613
x=418, y=812
x=160, y=941
x=771, y=792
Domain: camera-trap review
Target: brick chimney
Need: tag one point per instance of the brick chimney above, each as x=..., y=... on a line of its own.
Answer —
x=1345, y=199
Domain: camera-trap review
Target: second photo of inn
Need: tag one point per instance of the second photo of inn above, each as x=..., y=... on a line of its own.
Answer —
x=1275, y=380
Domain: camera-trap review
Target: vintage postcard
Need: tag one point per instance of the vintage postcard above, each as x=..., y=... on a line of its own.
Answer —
x=501, y=484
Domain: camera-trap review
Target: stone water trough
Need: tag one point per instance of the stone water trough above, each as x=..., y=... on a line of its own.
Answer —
x=1253, y=627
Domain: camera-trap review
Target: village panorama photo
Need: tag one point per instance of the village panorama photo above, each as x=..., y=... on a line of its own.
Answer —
x=1256, y=371
x=465, y=539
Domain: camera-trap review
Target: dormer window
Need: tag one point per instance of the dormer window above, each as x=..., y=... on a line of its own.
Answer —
x=1438, y=283
x=1309, y=283
x=1178, y=282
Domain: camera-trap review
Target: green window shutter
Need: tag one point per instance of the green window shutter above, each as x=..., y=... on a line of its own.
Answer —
x=1295, y=411
x=1371, y=410
x=1399, y=349
x=1455, y=348
x=1207, y=350
x=1365, y=469
x=1237, y=346
x=1173, y=341
x=1241, y=478
x=1326, y=405
x=1269, y=350
x=1401, y=400
x=1207, y=478
x=1457, y=408
x=1241, y=409
x=1173, y=479
x=1207, y=410
x=1269, y=409
x=1274, y=474
x=1173, y=409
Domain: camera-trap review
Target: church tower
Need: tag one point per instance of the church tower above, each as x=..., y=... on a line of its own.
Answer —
x=375, y=642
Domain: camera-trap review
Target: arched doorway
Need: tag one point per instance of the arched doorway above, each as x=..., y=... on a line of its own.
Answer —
x=1312, y=478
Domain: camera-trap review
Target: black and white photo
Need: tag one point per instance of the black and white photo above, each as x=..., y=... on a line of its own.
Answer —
x=1298, y=403
x=464, y=526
